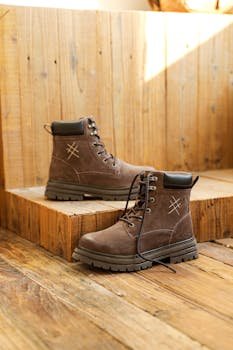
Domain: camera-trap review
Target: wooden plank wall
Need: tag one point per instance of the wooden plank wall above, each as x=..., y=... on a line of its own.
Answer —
x=159, y=84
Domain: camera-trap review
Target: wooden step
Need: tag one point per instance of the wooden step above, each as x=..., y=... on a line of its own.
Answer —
x=57, y=226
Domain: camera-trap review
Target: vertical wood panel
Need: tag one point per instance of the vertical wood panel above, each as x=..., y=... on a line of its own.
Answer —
x=45, y=94
x=138, y=96
x=77, y=45
x=215, y=107
x=150, y=125
x=127, y=71
x=10, y=101
x=104, y=87
x=182, y=90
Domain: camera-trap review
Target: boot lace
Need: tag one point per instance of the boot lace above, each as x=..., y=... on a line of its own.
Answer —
x=140, y=209
x=98, y=143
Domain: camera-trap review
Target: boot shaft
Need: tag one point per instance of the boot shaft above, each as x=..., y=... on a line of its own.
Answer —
x=76, y=142
x=169, y=199
x=77, y=150
x=163, y=203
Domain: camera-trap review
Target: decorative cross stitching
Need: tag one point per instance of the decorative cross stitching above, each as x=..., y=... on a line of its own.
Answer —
x=175, y=205
x=72, y=150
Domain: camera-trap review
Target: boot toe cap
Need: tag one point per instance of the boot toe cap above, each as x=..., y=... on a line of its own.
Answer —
x=111, y=241
x=88, y=241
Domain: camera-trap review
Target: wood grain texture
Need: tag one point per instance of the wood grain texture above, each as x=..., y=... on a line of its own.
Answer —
x=217, y=252
x=226, y=242
x=200, y=292
x=182, y=91
x=198, y=286
x=225, y=175
x=170, y=306
x=42, y=320
x=161, y=95
x=57, y=226
x=214, y=119
x=127, y=323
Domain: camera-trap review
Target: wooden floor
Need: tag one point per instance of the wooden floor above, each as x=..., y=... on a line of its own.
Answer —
x=47, y=303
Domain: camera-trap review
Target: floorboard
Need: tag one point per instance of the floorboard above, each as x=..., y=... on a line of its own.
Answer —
x=226, y=242
x=217, y=252
x=44, y=318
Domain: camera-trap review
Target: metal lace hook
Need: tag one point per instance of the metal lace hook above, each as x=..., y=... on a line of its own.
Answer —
x=48, y=129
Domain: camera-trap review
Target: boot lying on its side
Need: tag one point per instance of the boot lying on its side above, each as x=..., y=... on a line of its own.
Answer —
x=157, y=229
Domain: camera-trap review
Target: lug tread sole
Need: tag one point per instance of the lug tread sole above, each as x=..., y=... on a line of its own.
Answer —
x=179, y=256
x=67, y=192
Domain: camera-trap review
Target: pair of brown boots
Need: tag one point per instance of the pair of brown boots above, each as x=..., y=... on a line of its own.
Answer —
x=159, y=226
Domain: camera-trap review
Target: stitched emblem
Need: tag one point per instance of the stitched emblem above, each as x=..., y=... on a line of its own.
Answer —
x=72, y=150
x=175, y=205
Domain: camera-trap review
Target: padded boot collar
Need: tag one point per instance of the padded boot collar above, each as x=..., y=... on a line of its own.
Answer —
x=177, y=180
x=67, y=128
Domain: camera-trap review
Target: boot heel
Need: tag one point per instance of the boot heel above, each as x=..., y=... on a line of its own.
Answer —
x=178, y=258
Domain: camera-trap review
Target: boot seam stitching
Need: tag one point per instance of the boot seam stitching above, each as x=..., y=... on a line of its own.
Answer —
x=145, y=233
x=70, y=166
x=175, y=227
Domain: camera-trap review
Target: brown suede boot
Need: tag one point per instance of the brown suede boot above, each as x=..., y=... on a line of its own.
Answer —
x=157, y=229
x=81, y=165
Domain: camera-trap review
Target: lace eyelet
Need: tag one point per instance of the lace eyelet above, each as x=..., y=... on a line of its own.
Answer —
x=94, y=144
x=152, y=188
x=92, y=134
x=114, y=165
x=148, y=210
x=131, y=224
x=104, y=160
x=154, y=178
x=152, y=199
x=98, y=154
x=89, y=126
x=93, y=125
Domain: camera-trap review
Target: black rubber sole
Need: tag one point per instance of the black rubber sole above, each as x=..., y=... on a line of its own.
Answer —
x=71, y=192
x=173, y=253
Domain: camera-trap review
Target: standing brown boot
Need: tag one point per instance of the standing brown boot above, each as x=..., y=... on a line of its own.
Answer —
x=157, y=229
x=82, y=166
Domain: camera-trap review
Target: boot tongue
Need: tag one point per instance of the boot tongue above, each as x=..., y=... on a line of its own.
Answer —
x=147, y=180
x=142, y=190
